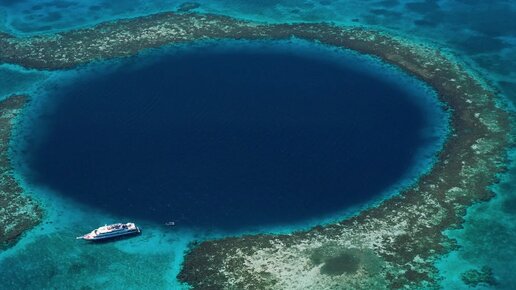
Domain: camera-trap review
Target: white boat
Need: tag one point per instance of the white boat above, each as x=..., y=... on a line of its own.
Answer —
x=111, y=231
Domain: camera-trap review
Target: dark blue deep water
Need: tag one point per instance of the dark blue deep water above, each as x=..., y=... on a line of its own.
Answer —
x=227, y=139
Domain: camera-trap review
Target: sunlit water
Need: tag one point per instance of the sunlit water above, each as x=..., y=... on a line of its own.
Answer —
x=482, y=33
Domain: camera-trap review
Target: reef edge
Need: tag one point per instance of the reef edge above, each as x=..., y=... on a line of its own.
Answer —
x=18, y=212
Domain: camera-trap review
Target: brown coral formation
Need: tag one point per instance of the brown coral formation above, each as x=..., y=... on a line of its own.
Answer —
x=17, y=211
x=475, y=277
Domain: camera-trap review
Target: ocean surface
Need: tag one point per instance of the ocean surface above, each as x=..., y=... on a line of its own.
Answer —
x=479, y=33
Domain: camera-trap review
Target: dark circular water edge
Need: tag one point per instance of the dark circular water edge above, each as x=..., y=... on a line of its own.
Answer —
x=308, y=137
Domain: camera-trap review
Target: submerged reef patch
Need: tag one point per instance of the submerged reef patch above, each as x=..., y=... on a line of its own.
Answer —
x=17, y=211
x=475, y=277
x=394, y=244
x=188, y=6
x=335, y=260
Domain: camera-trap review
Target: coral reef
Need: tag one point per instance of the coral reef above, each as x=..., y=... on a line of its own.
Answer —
x=475, y=277
x=17, y=211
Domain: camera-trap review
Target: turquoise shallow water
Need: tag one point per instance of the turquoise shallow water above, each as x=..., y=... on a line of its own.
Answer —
x=481, y=33
x=18, y=80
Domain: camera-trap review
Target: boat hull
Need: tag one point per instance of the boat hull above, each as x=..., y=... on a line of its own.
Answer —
x=113, y=235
